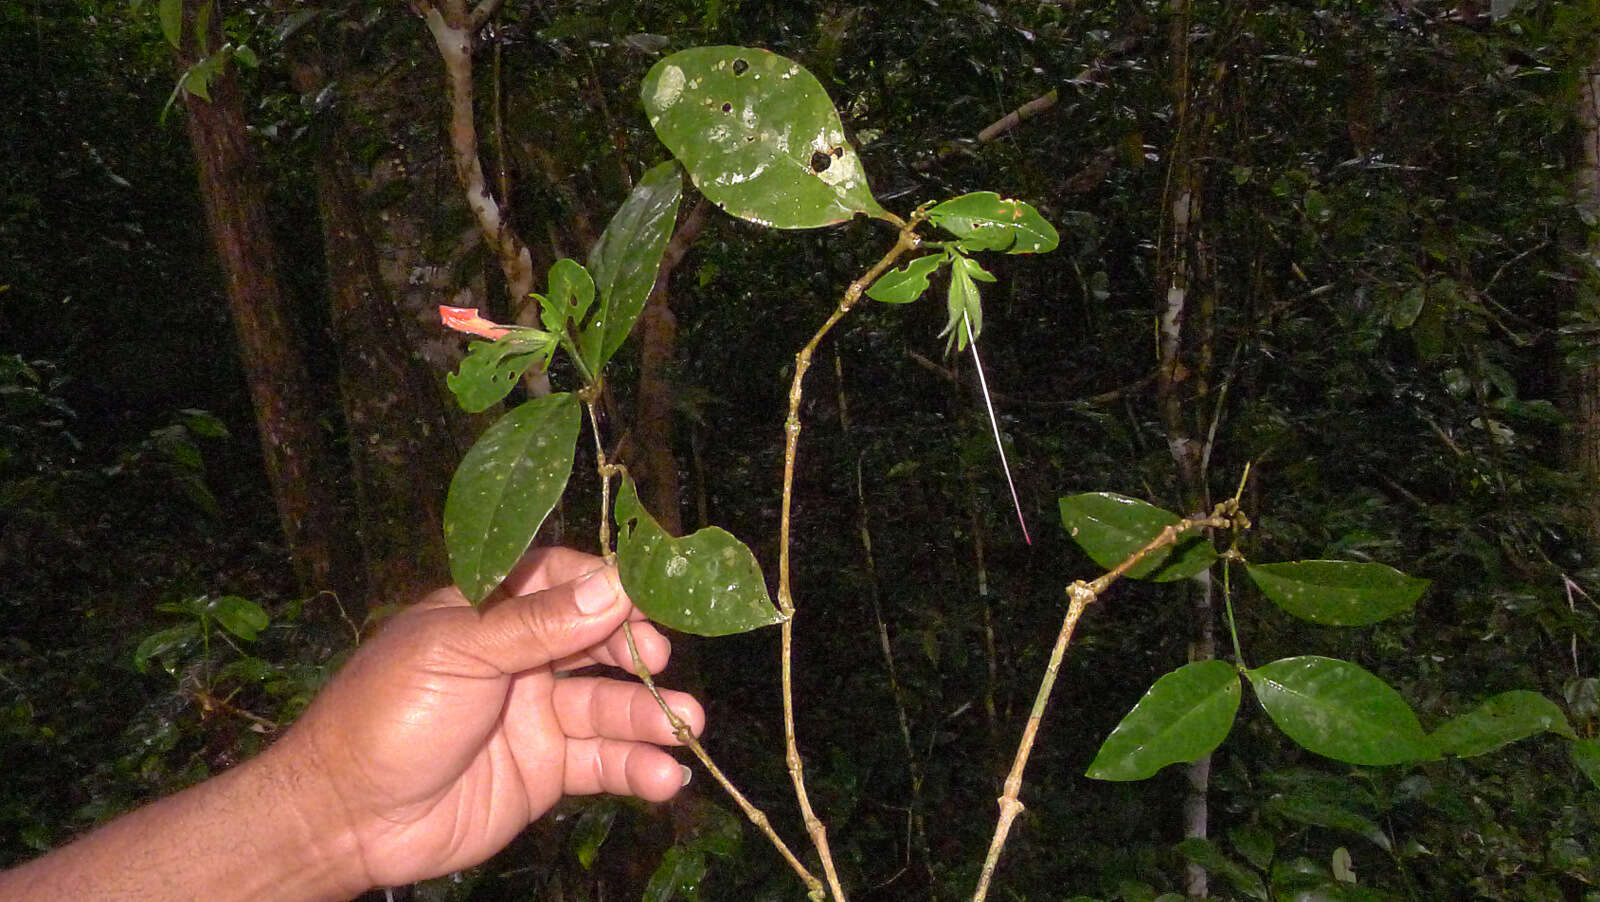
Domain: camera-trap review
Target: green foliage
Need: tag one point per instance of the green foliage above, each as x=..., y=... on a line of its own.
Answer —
x=708, y=583
x=1338, y=709
x=504, y=488
x=626, y=258
x=1185, y=715
x=759, y=137
x=1110, y=527
x=1338, y=593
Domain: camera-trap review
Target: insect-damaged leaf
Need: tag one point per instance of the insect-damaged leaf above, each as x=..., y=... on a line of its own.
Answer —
x=708, y=584
x=758, y=135
x=985, y=221
x=906, y=284
x=506, y=485
x=491, y=369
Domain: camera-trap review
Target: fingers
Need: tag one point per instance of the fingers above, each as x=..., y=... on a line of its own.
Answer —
x=621, y=768
x=654, y=650
x=541, y=568
x=566, y=620
x=591, y=707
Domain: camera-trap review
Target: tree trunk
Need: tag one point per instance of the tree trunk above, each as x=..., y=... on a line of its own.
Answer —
x=301, y=466
x=1181, y=378
x=400, y=449
x=1584, y=384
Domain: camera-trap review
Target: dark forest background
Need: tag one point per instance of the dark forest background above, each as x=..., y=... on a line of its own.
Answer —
x=1372, y=226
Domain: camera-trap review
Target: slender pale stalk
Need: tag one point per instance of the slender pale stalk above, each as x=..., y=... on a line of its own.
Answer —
x=1079, y=596
x=802, y=362
x=680, y=729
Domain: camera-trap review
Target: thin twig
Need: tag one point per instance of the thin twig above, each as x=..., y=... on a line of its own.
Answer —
x=679, y=728
x=1079, y=596
x=906, y=241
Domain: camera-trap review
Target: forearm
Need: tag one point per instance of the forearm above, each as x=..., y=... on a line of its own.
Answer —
x=253, y=832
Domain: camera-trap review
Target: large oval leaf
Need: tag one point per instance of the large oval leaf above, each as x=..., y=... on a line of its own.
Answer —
x=985, y=221
x=1185, y=715
x=625, y=260
x=1502, y=719
x=708, y=584
x=1109, y=527
x=504, y=488
x=1340, y=711
x=758, y=135
x=1338, y=593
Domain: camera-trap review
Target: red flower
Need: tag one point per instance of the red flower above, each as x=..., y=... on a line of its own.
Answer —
x=466, y=319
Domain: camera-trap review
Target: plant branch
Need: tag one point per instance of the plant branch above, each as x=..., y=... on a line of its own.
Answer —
x=1080, y=595
x=906, y=241
x=756, y=815
x=680, y=729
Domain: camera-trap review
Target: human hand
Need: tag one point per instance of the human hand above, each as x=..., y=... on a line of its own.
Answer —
x=449, y=731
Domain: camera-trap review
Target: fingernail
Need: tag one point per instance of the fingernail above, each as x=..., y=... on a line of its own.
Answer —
x=596, y=592
x=687, y=774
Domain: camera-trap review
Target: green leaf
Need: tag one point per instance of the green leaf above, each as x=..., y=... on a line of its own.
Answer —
x=1502, y=719
x=168, y=640
x=985, y=221
x=906, y=284
x=240, y=616
x=759, y=137
x=1185, y=715
x=1204, y=853
x=965, y=303
x=506, y=485
x=591, y=830
x=1338, y=593
x=1110, y=527
x=1340, y=711
x=571, y=294
x=1586, y=755
x=1408, y=308
x=1322, y=813
x=1254, y=843
x=491, y=369
x=170, y=12
x=708, y=584
x=627, y=257
x=679, y=873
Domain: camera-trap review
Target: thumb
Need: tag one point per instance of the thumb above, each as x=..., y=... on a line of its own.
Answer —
x=528, y=631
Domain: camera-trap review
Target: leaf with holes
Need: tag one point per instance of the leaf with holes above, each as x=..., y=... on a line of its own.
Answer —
x=985, y=221
x=906, y=284
x=1340, y=711
x=1501, y=720
x=506, y=485
x=1338, y=593
x=1110, y=527
x=491, y=369
x=570, y=294
x=759, y=137
x=625, y=260
x=1185, y=715
x=708, y=584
